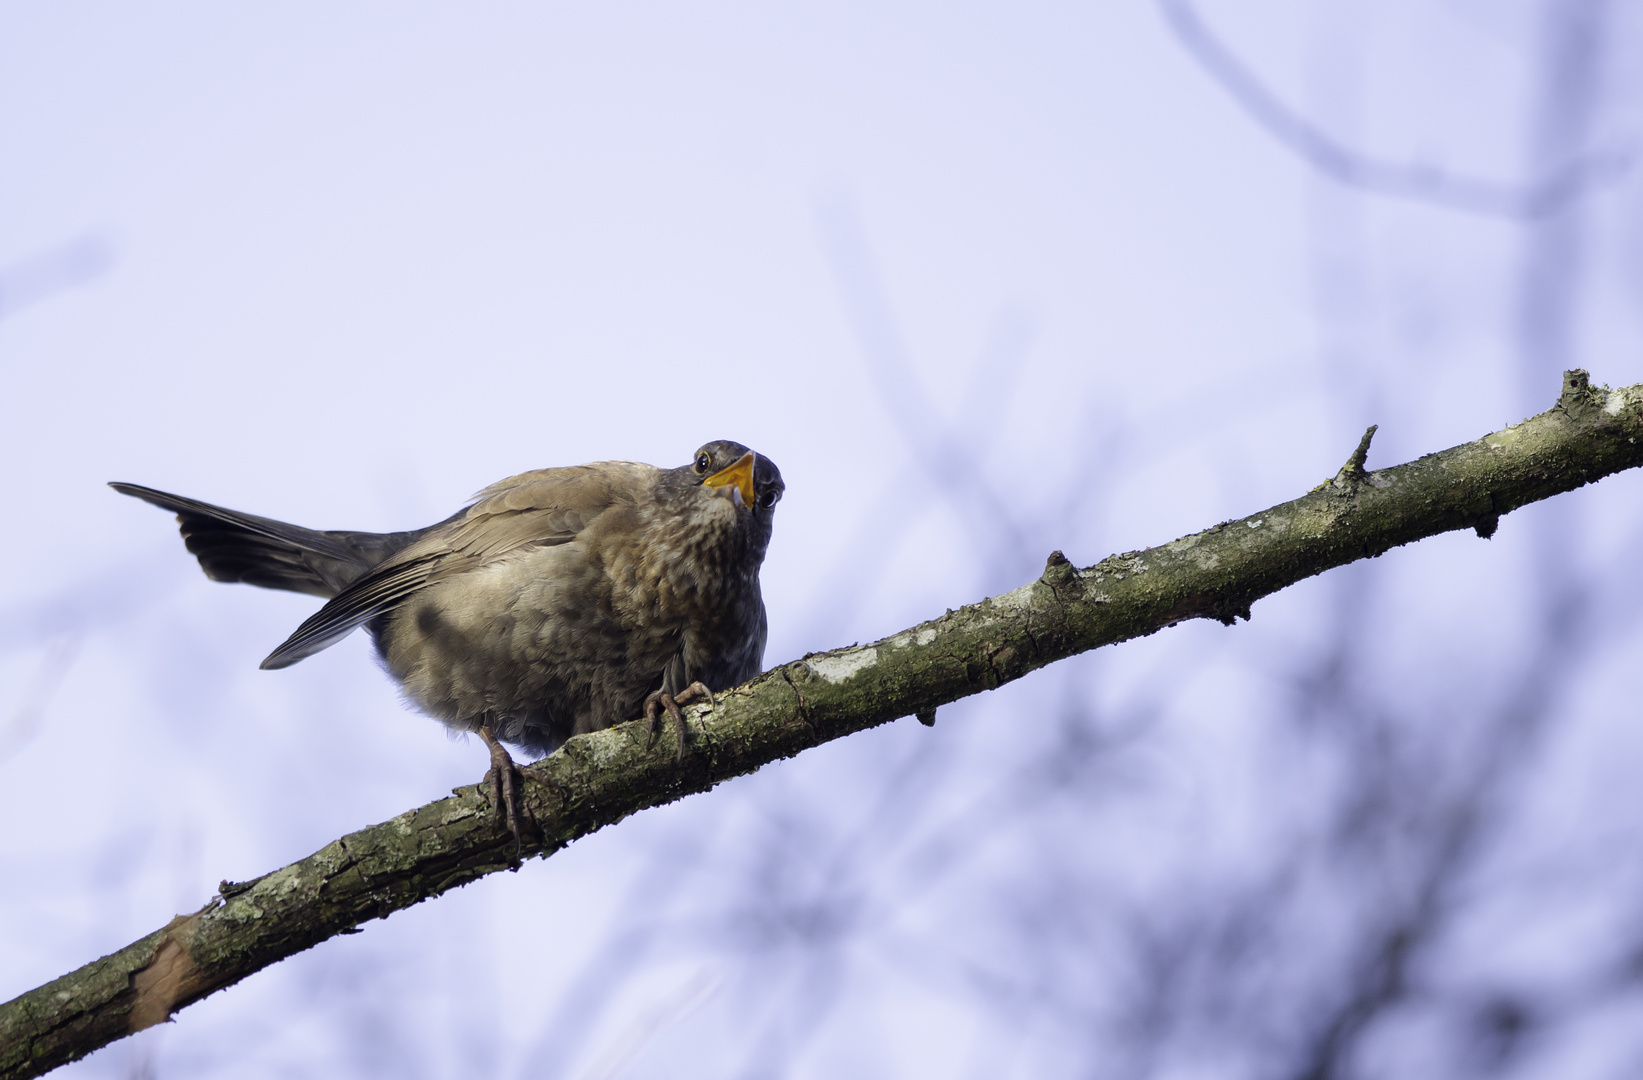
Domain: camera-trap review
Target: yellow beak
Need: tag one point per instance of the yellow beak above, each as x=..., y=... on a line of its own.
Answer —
x=740, y=475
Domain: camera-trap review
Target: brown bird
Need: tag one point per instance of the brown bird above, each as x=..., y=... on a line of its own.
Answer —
x=559, y=601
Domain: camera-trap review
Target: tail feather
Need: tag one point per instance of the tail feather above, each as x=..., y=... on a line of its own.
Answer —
x=232, y=546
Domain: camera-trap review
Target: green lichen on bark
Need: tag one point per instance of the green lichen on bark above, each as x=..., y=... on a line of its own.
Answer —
x=600, y=778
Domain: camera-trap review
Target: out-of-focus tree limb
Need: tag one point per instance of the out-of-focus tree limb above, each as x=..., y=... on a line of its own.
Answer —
x=1419, y=183
x=600, y=778
x=53, y=271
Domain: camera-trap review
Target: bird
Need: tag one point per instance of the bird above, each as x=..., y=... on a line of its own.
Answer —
x=556, y=602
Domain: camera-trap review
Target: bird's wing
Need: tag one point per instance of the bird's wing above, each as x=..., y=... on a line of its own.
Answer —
x=534, y=509
x=548, y=506
x=359, y=603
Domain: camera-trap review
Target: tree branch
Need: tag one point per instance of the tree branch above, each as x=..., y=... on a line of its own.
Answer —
x=600, y=778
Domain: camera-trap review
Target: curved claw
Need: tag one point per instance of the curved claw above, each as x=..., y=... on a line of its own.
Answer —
x=503, y=790
x=661, y=699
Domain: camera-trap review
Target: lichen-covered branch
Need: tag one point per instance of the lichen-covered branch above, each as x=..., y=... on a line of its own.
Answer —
x=600, y=778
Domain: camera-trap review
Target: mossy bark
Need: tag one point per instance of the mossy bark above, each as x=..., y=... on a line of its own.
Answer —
x=598, y=779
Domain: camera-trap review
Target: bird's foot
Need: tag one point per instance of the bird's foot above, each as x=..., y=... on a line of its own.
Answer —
x=660, y=700
x=502, y=779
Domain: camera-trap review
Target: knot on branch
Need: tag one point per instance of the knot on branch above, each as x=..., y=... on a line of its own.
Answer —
x=1488, y=516
x=230, y=889
x=1578, y=395
x=1058, y=570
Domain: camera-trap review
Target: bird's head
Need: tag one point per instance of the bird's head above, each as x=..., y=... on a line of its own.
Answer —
x=732, y=471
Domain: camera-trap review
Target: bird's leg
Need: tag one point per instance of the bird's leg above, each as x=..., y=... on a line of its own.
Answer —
x=661, y=699
x=504, y=793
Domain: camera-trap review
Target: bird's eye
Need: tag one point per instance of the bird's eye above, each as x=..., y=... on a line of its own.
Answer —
x=768, y=499
x=704, y=461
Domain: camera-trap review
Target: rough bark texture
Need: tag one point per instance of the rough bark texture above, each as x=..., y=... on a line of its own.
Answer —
x=598, y=779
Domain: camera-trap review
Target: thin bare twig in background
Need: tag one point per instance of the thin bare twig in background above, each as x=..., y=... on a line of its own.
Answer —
x=1546, y=195
x=52, y=271
x=29, y=714
x=945, y=452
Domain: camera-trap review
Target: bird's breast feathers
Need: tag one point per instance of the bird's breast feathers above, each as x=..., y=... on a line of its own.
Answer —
x=653, y=585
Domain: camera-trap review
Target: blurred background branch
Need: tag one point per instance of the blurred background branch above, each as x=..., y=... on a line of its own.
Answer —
x=1577, y=173
x=54, y=270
